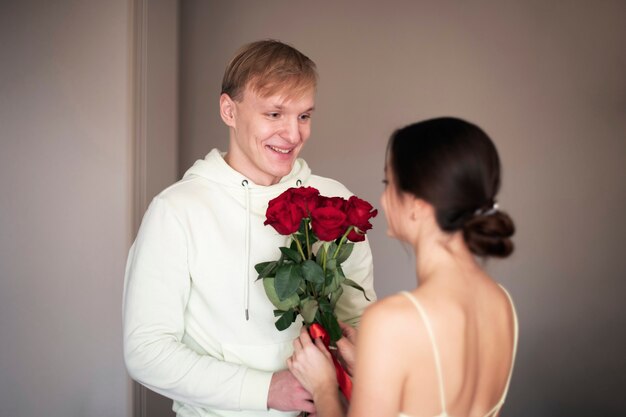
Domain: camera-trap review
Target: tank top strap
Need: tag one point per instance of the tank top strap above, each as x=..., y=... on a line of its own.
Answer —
x=433, y=342
x=500, y=403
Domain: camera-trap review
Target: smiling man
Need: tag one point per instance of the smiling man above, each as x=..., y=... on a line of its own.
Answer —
x=198, y=328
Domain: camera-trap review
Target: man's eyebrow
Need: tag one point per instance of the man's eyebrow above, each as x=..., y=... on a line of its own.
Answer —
x=309, y=110
x=277, y=106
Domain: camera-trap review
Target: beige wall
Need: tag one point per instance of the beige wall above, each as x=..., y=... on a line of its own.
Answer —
x=545, y=80
x=65, y=207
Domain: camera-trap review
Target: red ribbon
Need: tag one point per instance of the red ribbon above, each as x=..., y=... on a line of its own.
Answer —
x=343, y=379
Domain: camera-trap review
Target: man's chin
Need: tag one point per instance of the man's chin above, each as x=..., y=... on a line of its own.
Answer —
x=281, y=166
x=280, y=174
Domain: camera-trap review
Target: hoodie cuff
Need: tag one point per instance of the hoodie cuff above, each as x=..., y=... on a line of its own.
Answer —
x=254, y=390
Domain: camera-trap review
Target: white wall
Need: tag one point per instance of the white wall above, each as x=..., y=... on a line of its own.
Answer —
x=65, y=206
x=545, y=80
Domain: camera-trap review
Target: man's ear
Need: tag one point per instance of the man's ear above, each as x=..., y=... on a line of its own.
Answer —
x=227, y=110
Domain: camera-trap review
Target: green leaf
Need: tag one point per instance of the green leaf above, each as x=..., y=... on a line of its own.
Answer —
x=281, y=261
x=321, y=255
x=324, y=306
x=317, y=287
x=329, y=321
x=340, y=271
x=285, y=320
x=302, y=287
x=261, y=266
x=303, y=225
x=333, y=281
x=312, y=272
x=266, y=269
x=332, y=248
x=331, y=264
x=291, y=254
x=309, y=310
x=285, y=304
x=344, y=252
x=334, y=297
x=353, y=284
x=288, y=279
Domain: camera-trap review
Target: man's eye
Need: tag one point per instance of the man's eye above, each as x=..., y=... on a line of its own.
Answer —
x=273, y=115
x=305, y=117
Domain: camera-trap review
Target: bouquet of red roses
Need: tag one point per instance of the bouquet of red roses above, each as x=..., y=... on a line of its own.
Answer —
x=307, y=279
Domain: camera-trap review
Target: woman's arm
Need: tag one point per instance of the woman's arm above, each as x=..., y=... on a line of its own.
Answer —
x=380, y=363
x=380, y=368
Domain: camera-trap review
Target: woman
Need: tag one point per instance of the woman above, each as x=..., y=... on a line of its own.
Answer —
x=447, y=347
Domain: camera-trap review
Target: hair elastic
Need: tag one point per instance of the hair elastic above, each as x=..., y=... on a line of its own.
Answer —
x=487, y=211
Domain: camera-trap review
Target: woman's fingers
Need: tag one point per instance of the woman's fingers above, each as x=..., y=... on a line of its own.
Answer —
x=348, y=331
x=304, y=338
x=320, y=345
x=297, y=345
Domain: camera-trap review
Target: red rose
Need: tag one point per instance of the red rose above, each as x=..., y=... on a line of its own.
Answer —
x=358, y=214
x=336, y=202
x=283, y=215
x=355, y=236
x=328, y=223
x=306, y=198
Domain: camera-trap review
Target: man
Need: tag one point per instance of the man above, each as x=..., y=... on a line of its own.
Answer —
x=197, y=327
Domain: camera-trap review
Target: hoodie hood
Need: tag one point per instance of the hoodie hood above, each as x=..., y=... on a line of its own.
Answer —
x=214, y=168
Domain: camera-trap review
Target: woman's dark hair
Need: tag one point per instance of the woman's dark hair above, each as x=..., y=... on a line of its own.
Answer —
x=453, y=165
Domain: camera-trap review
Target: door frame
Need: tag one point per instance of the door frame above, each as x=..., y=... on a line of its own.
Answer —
x=154, y=123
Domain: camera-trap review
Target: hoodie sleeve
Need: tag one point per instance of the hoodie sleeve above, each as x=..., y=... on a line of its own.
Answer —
x=360, y=269
x=156, y=291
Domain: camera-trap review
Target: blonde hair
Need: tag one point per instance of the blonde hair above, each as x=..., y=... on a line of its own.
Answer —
x=269, y=67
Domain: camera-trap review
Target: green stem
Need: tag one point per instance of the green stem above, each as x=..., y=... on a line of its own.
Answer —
x=306, y=234
x=312, y=289
x=299, y=246
x=324, y=250
x=324, y=257
x=343, y=239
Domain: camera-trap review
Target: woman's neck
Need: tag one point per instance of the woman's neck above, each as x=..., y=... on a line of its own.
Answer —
x=437, y=251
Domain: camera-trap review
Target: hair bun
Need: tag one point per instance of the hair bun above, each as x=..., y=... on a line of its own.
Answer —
x=489, y=235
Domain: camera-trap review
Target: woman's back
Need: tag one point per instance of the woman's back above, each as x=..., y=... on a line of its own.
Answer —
x=461, y=352
x=446, y=349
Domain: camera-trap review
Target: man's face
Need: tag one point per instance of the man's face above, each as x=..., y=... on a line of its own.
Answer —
x=267, y=133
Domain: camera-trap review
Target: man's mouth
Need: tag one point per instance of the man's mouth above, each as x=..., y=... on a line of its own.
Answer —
x=279, y=150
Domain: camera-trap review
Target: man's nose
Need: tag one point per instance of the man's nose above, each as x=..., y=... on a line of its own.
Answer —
x=291, y=130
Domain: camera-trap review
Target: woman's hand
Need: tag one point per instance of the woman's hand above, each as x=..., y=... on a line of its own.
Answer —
x=347, y=346
x=312, y=365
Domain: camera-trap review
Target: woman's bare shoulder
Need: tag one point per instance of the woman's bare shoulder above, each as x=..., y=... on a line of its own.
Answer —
x=390, y=317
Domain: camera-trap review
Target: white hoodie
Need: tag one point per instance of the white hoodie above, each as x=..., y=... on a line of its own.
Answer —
x=190, y=285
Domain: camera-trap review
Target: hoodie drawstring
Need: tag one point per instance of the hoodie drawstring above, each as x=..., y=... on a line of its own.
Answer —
x=246, y=287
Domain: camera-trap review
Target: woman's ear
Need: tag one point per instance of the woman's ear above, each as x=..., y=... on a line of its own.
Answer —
x=420, y=208
x=227, y=110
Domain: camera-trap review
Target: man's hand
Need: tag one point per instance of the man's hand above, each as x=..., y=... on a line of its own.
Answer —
x=287, y=394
